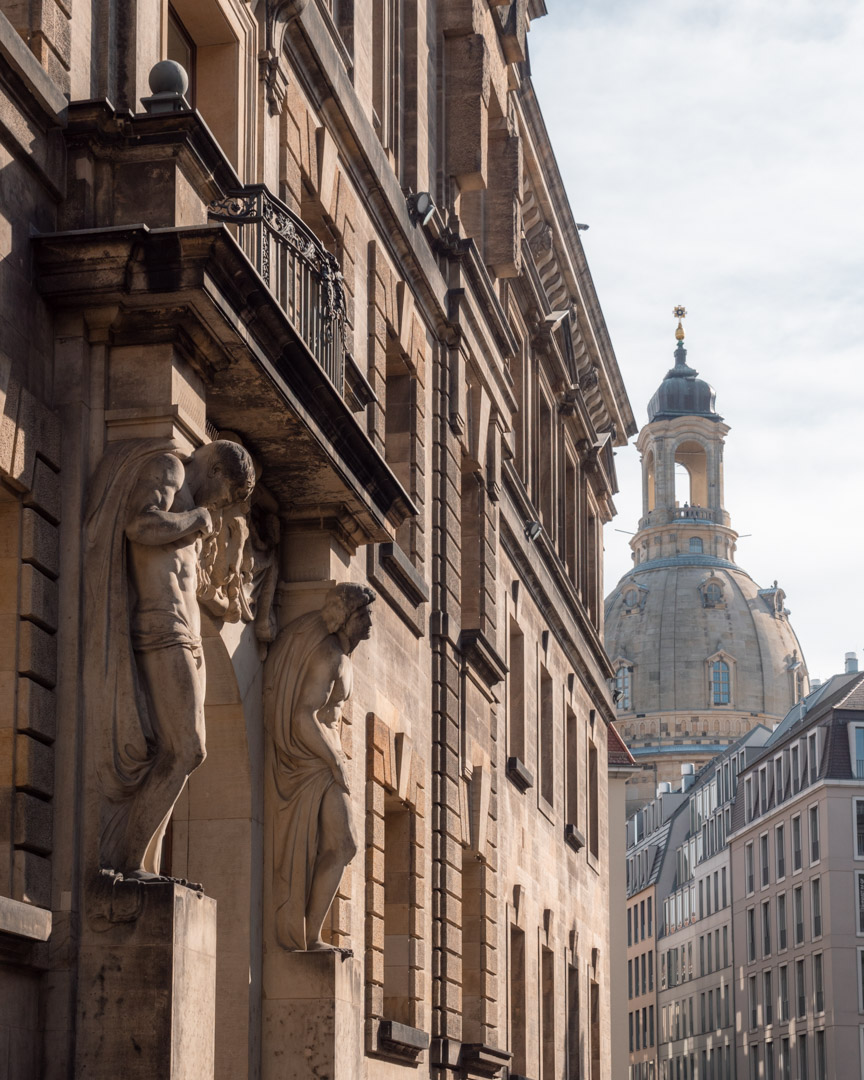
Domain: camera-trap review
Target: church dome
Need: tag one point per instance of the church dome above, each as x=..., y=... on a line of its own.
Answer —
x=700, y=637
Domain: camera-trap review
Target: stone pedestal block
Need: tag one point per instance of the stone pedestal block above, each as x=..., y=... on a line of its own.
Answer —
x=313, y=1016
x=148, y=986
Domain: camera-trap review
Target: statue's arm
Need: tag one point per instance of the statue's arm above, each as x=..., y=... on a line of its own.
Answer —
x=150, y=521
x=314, y=695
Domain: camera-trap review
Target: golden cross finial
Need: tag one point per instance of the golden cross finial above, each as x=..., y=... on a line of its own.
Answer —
x=680, y=312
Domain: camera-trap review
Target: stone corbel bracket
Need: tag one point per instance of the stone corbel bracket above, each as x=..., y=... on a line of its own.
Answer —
x=278, y=15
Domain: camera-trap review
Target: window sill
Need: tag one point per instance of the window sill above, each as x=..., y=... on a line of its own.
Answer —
x=400, y=1041
x=519, y=774
x=574, y=837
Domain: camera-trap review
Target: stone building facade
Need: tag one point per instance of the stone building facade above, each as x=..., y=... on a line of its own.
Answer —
x=344, y=246
x=702, y=654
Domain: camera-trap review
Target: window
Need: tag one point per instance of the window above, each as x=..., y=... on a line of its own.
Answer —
x=754, y=1061
x=629, y=978
x=181, y=49
x=796, y=842
x=751, y=934
x=766, y=928
x=572, y=736
x=818, y=983
x=800, y=991
x=547, y=1013
x=861, y=980
x=763, y=859
x=781, y=921
x=593, y=803
x=518, y=1003
x=769, y=1061
x=859, y=901
x=785, y=1059
x=768, y=997
x=387, y=80
x=748, y=869
x=778, y=780
x=397, y=886
x=821, y=1071
x=780, y=851
x=802, y=1056
x=813, y=755
x=650, y=969
x=623, y=688
x=574, y=1053
x=793, y=769
x=856, y=732
x=749, y=808
x=814, y=834
x=650, y=917
x=858, y=815
x=712, y=594
x=516, y=686
x=816, y=906
x=784, y=994
x=629, y=926
x=798, y=913
x=695, y=545
x=720, y=682
x=547, y=738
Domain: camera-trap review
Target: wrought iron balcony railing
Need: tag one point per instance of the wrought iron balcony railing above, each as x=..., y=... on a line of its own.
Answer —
x=302, y=275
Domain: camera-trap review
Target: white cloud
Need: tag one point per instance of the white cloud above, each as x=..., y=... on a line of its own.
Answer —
x=715, y=150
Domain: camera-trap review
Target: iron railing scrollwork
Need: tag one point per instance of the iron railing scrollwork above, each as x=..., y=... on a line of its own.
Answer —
x=301, y=274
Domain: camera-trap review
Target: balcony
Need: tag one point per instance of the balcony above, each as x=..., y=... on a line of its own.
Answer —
x=302, y=275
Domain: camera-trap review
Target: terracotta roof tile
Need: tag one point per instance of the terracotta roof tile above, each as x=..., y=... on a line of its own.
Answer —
x=619, y=755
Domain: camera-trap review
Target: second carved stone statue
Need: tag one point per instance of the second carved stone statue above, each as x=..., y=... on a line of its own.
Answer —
x=307, y=680
x=150, y=510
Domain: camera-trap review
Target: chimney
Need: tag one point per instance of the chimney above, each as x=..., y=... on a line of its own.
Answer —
x=664, y=788
x=688, y=776
x=851, y=663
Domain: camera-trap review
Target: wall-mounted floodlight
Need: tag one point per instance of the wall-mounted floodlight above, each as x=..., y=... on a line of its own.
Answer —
x=582, y=228
x=532, y=530
x=421, y=207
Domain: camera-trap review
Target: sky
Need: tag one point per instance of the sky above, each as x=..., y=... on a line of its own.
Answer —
x=715, y=150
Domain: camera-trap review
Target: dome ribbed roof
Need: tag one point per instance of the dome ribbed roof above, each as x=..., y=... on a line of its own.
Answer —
x=668, y=627
x=682, y=394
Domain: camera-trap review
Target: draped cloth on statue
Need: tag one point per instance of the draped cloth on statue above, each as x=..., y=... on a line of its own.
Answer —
x=115, y=703
x=301, y=776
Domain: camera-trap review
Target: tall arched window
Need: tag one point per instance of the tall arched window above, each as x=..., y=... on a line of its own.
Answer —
x=623, y=684
x=695, y=545
x=720, y=682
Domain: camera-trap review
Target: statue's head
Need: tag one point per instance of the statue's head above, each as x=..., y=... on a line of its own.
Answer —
x=347, y=610
x=222, y=474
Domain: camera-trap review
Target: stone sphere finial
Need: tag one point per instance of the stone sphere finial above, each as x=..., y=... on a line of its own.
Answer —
x=168, y=77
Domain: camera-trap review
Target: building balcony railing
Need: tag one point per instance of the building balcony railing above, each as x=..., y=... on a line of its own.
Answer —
x=699, y=513
x=301, y=274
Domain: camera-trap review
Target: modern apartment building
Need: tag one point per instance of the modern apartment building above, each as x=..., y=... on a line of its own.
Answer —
x=695, y=946
x=652, y=835
x=797, y=862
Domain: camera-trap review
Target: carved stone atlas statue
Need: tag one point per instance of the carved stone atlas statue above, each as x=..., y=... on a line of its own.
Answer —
x=307, y=679
x=151, y=510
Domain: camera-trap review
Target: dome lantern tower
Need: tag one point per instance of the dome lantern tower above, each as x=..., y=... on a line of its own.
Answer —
x=682, y=469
